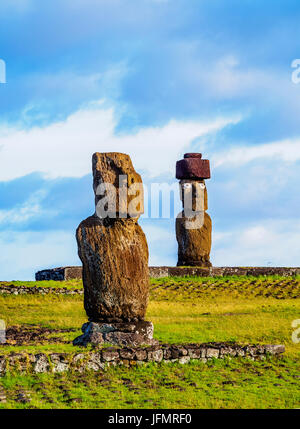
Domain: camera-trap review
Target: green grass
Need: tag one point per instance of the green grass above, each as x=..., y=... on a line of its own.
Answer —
x=218, y=384
x=246, y=310
x=69, y=284
x=187, y=288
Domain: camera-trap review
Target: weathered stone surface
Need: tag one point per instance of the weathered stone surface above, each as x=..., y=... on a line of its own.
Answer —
x=193, y=225
x=212, y=353
x=274, y=349
x=239, y=352
x=127, y=353
x=110, y=354
x=122, y=334
x=228, y=351
x=193, y=191
x=2, y=334
x=94, y=366
x=192, y=155
x=155, y=355
x=115, y=269
x=184, y=359
x=33, y=290
x=41, y=363
x=109, y=168
x=18, y=361
x=194, y=353
x=114, y=251
x=158, y=272
x=127, y=339
x=141, y=354
x=59, y=274
x=78, y=358
x=167, y=354
x=59, y=362
x=56, y=274
x=101, y=359
x=3, y=365
x=177, y=351
x=193, y=167
x=194, y=245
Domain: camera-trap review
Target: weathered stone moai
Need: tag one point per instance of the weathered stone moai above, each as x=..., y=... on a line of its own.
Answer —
x=193, y=224
x=114, y=254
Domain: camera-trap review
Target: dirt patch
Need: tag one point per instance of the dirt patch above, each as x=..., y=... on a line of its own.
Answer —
x=32, y=335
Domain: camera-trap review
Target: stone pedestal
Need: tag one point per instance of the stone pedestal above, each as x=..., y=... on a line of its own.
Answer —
x=131, y=334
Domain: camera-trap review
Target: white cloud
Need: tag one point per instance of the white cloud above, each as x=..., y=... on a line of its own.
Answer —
x=22, y=213
x=64, y=149
x=286, y=150
x=71, y=84
x=162, y=244
x=269, y=242
x=227, y=78
x=24, y=253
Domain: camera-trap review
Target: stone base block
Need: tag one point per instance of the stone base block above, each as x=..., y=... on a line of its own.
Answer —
x=204, y=263
x=130, y=334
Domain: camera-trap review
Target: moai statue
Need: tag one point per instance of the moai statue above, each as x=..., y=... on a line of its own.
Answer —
x=193, y=224
x=114, y=253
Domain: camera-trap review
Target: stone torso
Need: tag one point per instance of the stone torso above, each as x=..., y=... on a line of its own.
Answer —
x=115, y=269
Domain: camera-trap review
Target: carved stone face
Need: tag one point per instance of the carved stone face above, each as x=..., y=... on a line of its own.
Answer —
x=193, y=194
x=118, y=185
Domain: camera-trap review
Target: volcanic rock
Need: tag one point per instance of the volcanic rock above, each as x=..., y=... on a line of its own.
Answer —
x=193, y=224
x=193, y=167
x=113, y=248
x=115, y=269
x=194, y=244
x=126, y=334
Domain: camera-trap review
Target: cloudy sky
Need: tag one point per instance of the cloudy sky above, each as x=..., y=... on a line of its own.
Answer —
x=154, y=79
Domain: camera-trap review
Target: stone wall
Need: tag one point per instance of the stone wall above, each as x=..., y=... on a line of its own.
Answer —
x=21, y=290
x=158, y=272
x=100, y=359
x=59, y=274
x=68, y=273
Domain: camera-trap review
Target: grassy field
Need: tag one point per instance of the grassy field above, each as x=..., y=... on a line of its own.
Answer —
x=241, y=309
x=186, y=288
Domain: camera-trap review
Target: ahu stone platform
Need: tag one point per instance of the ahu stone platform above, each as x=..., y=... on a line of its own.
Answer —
x=59, y=274
x=69, y=273
x=102, y=358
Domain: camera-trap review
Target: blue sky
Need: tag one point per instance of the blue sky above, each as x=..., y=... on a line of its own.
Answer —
x=155, y=79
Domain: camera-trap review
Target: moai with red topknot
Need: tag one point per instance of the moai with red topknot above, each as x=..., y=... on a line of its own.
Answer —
x=193, y=224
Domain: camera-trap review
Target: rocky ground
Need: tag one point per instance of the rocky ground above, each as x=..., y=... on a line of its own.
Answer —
x=33, y=335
